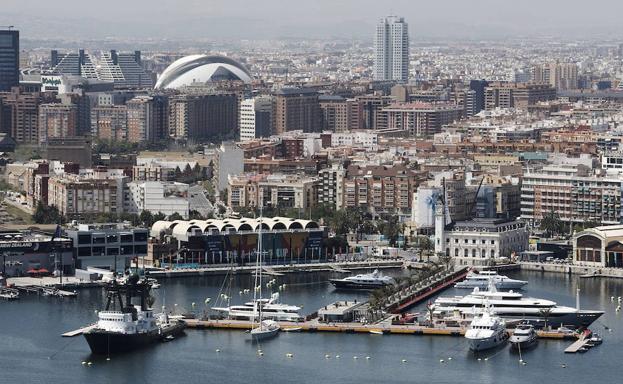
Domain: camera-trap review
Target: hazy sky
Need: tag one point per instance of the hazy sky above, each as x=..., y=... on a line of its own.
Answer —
x=311, y=18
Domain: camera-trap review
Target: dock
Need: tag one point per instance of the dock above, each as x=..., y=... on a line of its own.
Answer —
x=343, y=267
x=78, y=332
x=582, y=342
x=45, y=291
x=376, y=328
x=271, y=272
x=423, y=290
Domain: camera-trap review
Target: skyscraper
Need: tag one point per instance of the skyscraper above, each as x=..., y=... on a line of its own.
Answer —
x=391, y=47
x=9, y=59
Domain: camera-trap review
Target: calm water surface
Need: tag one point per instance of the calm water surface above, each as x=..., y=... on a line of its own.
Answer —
x=32, y=351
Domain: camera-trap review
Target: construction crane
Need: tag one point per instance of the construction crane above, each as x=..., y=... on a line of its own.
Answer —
x=473, y=204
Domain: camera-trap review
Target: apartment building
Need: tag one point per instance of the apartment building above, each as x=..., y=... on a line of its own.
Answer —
x=573, y=193
x=279, y=190
x=516, y=95
x=420, y=119
x=379, y=188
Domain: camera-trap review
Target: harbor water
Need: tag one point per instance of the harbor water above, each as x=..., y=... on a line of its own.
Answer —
x=32, y=350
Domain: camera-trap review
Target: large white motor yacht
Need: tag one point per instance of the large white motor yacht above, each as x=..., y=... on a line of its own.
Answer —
x=486, y=331
x=482, y=280
x=272, y=309
x=513, y=306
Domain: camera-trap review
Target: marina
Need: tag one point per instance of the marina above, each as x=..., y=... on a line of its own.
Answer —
x=355, y=350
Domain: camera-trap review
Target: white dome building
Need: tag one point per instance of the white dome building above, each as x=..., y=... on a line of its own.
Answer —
x=202, y=69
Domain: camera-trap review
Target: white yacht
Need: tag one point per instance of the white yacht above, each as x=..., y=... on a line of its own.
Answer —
x=372, y=280
x=271, y=309
x=482, y=279
x=513, y=306
x=486, y=331
x=524, y=337
x=265, y=329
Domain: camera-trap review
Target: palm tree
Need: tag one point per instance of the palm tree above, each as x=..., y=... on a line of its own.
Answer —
x=546, y=313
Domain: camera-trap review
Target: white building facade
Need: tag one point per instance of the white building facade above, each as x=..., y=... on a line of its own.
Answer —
x=156, y=196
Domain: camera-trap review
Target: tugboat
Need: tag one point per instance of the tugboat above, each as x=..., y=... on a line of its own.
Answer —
x=130, y=326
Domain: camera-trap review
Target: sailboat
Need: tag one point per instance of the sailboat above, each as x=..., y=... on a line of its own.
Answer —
x=265, y=328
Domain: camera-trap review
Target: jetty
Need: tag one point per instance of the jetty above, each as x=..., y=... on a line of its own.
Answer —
x=276, y=270
x=358, y=328
x=45, y=291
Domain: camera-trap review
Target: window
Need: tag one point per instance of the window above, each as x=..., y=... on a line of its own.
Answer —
x=140, y=237
x=84, y=239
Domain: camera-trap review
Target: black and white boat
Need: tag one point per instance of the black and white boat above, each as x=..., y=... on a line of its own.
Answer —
x=524, y=337
x=513, y=306
x=372, y=280
x=129, y=326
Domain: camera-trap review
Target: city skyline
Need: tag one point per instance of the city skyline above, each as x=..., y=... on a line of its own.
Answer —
x=270, y=19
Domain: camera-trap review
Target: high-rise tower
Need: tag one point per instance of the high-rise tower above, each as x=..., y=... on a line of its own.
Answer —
x=391, y=46
x=9, y=59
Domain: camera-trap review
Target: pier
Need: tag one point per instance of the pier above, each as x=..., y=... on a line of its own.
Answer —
x=79, y=332
x=277, y=270
x=372, y=329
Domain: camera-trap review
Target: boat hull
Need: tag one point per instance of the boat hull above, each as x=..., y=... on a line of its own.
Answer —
x=523, y=344
x=506, y=285
x=258, y=335
x=106, y=343
x=483, y=344
x=341, y=284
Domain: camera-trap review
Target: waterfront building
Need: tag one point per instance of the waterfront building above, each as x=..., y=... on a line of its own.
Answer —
x=157, y=197
x=22, y=251
x=209, y=242
x=110, y=246
x=479, y=241
x=391, y=50
x=9, y=59
x=573, y=193
x=600, y=247
x=296, y=109
x=255, y=118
